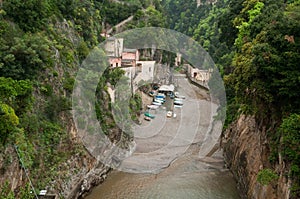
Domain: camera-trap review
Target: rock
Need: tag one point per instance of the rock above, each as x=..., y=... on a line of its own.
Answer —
x=246, y=153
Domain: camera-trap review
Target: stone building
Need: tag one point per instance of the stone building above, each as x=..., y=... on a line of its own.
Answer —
x=201, y=75
x=118, y=56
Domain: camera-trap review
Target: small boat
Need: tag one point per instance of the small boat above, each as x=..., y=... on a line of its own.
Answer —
x=157, y=103
x=178, y=103
x=147, y=118
x=160, y=96
x=172, y=95
x=151, y=93
x=177, y=106
x=159, y=100
x=152, y=106
x=178, y=99
x=177, y=95
x=149, y=115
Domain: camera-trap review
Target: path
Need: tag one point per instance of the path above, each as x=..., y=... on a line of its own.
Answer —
x=119, y=25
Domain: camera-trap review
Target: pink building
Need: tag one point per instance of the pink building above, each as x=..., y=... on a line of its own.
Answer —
x=118, y=55
x=115, y=61
x=129, y=57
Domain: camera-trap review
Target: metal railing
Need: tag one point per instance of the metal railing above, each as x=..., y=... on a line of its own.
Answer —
x=26, y=171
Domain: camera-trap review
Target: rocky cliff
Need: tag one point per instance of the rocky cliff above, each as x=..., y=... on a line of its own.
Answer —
x=246, y=153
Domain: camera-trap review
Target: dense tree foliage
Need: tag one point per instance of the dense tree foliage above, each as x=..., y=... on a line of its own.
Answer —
x=254, y=43
x=41, y=45
x=202, y=23
x=8, y=122
x=266, y=71
x=113, y=12
x=31, y=15
x=23, y=57
x=266, y=66
x=14, y=95
x=184, y=16
x=288, y=138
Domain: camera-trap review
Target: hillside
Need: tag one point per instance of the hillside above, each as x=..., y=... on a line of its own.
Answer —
x=42, y=45
x=255, y=45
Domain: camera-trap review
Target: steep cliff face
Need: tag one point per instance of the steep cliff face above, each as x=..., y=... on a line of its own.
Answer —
x=54, y=158
x=46, y=51
x=246, y=153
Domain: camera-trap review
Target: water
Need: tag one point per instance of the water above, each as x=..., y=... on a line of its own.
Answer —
x=188, y=177
x=165, y=147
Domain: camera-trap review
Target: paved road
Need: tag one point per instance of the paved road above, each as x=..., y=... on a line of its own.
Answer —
x=161, y=141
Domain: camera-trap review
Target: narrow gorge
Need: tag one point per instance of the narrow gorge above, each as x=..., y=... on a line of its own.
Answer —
x=254, y=46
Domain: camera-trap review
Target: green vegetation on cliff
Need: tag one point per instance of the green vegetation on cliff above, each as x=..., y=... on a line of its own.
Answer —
x=254, y=43
x=266, y=74
x=42, y=43
x=256, y=46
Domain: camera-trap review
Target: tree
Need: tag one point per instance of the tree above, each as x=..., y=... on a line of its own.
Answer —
x=150, y=17
x=24, y=57
x=30, y=15
x=266, y=68
x=290, y=149
x=252, y=9
x=8, y=122
x=16, y=94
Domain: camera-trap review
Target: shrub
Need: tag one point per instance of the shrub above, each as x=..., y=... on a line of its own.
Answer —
x=266, y=176
x=68, y=84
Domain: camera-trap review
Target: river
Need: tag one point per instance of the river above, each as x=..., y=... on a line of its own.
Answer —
x=188, y=177
x=167, y=163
